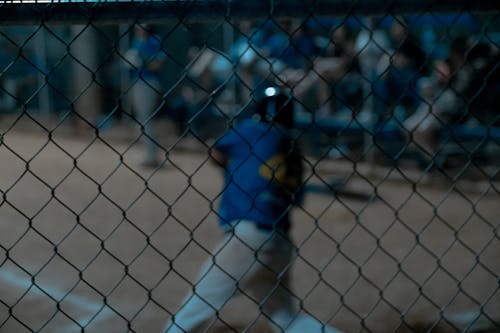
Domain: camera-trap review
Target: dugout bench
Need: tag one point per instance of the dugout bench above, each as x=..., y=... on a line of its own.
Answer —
x=477, y=142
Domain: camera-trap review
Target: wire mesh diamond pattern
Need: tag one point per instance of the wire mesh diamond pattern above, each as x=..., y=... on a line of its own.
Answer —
x=116, y=179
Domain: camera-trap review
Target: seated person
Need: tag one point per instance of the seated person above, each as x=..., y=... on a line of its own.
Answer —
x=398, y=74
x=335, y=75
x=439, y=105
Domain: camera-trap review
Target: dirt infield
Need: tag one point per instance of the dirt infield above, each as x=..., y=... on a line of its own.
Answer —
x=90, y=239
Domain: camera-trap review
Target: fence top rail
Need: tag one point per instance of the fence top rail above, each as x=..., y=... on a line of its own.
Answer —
x=112, y=11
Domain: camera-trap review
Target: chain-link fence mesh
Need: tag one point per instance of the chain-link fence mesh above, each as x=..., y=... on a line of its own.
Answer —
x=110, y=113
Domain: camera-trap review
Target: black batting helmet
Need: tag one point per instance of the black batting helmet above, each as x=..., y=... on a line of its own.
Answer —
x=274, y=105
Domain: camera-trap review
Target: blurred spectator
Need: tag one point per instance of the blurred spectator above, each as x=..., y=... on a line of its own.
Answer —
x=463, y=90
x=289, y=54
x=482, y=91
x=398, y=73
x=211, y=70
x=439, y=105
x=261, y=54
x=336, y=74
x=458, y=49
x=8, y=93
x=17, y=77
x=372, y=44
x=146, y=59
x=245, y=52
x=428, y=40
x=345, y=88
x=290, y=46
x=201, y=74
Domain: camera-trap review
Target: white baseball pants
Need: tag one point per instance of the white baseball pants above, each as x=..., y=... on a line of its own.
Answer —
x=249, y=260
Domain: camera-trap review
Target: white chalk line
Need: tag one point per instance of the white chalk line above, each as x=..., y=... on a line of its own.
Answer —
x=89, y=308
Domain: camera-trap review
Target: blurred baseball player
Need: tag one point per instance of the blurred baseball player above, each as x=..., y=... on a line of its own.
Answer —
x=263, y=174
x=145, y=60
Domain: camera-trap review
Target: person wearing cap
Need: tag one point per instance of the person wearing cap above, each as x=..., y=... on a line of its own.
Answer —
x=263, y=182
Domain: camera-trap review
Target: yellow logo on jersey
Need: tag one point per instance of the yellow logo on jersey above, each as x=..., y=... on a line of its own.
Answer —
x=275, y=169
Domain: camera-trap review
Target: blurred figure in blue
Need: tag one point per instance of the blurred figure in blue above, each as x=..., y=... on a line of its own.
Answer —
x=146, y=58
x=263, y=182
x=287, y=55
x=291, y=45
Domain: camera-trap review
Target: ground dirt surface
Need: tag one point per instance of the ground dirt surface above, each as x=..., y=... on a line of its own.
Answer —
x=89, y=238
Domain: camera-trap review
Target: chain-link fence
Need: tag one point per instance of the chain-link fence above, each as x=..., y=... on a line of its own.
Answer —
x=111, y=117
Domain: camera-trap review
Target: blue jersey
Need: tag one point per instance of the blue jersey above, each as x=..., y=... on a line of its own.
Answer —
x=149, y=50
x=263, y=175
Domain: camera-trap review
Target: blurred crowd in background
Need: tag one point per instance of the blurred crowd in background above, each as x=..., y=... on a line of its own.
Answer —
x=418, y=74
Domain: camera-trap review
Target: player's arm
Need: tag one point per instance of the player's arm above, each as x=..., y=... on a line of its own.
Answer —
x=155, y=65
x=219, y=158
x=224, y=148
